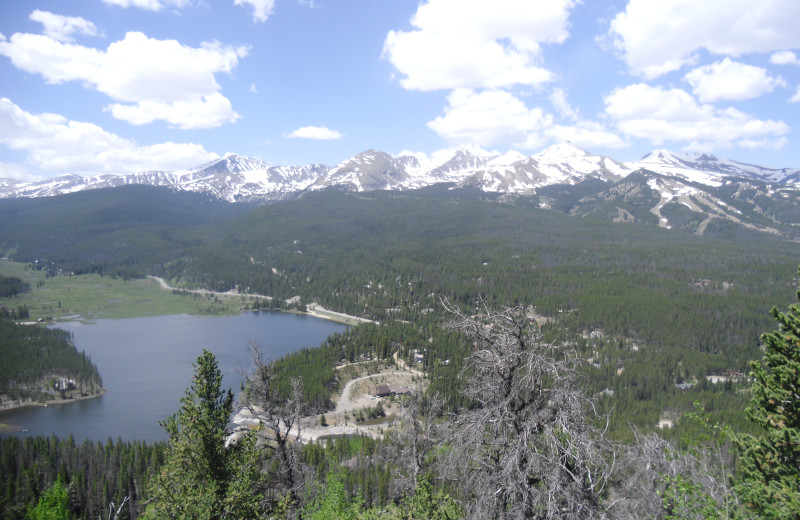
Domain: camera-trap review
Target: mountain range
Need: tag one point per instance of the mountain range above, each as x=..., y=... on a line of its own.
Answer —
x=685, y=190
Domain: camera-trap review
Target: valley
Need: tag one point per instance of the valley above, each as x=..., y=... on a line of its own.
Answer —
x=656, y=315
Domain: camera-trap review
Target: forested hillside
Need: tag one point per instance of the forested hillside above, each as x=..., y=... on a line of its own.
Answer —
x=652, y=319
x=649, y=307
x=41, y=364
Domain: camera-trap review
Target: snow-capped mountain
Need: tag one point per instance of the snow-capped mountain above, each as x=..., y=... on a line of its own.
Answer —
x=232, y=178
x=370, y=170
x=708, y=169
x=236, y=178
x=563, y=163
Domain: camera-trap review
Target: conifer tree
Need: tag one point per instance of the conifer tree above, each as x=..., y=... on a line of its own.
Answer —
x=203, y=477
x=52, y=505
x=769, y=481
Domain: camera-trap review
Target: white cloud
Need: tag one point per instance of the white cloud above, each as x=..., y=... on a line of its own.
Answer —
x=253, y=88
x=658, y=37
x=474, y=43
x=315, y=132
x=149, y=5
x=17, y=172
x=62, y=28
x=769, y=144
x=784, y=58
x=155, y=79
x=489, y=118
x=796, y=97
x=498, y=118
x=559, y=100
x=203, y=112
x=730, y=80
x=659, y=115
x=587, y=134
x=55, y=144
x=262, y=9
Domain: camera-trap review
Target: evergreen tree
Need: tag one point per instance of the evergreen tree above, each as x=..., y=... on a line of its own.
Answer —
x=52, y=505
x=770, y=463
x=203, y=478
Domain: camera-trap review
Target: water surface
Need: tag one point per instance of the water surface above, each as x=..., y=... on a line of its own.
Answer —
x=146, y=366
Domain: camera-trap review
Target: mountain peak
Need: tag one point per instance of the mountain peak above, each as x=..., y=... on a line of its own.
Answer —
x=565, y=149
x=239, y=178
x=507, y=158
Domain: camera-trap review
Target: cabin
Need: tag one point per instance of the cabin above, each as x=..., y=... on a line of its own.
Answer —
x=387, y=390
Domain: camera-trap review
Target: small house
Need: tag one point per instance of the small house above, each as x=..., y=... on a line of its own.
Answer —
x=387, y=390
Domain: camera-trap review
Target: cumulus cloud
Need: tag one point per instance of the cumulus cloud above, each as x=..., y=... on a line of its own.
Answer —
x=149, y=5
x=784, y=58
x=489, y=118
x=474, y=44
x=498, y=118
x=315, y=132
x=56, y=144
x=768, y=144
x=657, y=114
x=152, y=79
x=262, y=9
x=730, y=80
x=796, y=97
x=16, y=172
x=62, y=28
x=658, y=37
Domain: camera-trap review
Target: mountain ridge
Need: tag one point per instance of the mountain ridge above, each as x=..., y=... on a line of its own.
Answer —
x=685, y=190
x=238, y=178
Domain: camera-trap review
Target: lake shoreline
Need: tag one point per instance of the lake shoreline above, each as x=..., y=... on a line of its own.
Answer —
x=146, y=364
x=312, y=309
x=12, y=405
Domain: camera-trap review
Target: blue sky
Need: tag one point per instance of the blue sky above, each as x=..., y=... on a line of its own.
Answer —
x=116, y=86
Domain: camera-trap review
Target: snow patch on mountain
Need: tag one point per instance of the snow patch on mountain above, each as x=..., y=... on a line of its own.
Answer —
x=237, y=178
x=708, y=169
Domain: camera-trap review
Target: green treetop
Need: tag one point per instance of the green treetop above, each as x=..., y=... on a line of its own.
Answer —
x=203, y=478
x=770, y=463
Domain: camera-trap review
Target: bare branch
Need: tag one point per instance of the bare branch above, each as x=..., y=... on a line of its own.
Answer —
x=525, y=449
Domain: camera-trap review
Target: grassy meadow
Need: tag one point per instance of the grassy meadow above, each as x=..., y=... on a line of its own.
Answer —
x=92, y=297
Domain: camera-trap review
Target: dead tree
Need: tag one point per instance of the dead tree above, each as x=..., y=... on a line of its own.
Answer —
x=525, y=448
x=279, y=417
x=414, y=440
x=656, y=480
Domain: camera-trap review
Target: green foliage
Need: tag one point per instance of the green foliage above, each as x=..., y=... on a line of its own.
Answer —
x=333, y=504
x=52, y=505
x=203, y=478
x=94, y=473
x=770, y=463
x=430, y=504
x=669, y=307
x=12, y=286
x=685, y=499
x=425, y=503
x=32, y=353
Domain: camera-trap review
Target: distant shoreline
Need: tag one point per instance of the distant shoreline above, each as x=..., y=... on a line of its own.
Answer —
x=312, y=309
x=16, y=405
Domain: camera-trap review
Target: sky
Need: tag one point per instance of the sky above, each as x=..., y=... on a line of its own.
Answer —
x=120, y=86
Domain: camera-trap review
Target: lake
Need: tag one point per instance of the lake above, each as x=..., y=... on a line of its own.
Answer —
x=146, y=366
